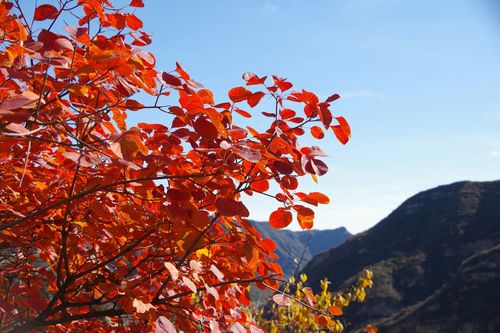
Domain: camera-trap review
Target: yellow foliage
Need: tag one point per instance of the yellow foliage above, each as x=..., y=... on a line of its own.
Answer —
x=309, y=312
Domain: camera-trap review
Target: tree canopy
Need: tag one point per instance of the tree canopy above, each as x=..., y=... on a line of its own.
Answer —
x=106, y=225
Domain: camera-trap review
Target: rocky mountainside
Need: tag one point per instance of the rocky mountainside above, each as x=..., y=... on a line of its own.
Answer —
x=435, y=261
x=298, y=247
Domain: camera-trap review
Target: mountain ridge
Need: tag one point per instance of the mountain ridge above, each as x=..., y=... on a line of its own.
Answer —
x=296, y=248
x=415, y=251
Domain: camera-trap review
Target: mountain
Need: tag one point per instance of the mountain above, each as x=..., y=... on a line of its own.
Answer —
x=291, y=246
x=435, y=261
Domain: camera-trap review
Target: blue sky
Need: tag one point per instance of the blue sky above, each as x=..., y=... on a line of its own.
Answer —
x=420, y=82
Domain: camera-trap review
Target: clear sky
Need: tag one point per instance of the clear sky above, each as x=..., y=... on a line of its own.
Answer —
x=420, y=82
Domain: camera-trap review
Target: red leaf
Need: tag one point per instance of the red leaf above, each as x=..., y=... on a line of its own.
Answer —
x=290, y=183
x=255, y=98
x=231, y=207
x=45, y=12
x=260, y=185
x=192, y=103
x=332, y=98
x=287, y=113
x=269, y=114
x=342, y=136
x=253, y=79
x=239, y=94
x=280, y=218
x=309, y=97
x=133, y=105
x=344, y=125
x=205, y=128
x=316, y=167
x=317, y=132
x=242, y=113
x=281, y=83
x=282, y=167
x=296, y=120
x=133, y=22
x=325, y=115
x=170, y=79
x=137, y=3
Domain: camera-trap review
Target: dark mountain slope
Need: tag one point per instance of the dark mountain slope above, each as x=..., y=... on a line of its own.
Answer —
x=417, y=249
x=294, y=245
x=468, y=303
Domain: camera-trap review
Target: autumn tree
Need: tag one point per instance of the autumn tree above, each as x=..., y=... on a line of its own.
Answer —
x=104, y=225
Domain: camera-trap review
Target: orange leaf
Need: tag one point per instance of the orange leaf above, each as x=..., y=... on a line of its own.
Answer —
x=280, y=218
x=239, y=94
x=370, y=329
x=305, y=216
x=267, y=245
x=319, y=197
x=133, y=22
x=322, y=320
x=206, y=96
x=342, y=131
x=335, y=311
x=251, y=254
x=317, y=132
x=45, y=12
x=192, y=103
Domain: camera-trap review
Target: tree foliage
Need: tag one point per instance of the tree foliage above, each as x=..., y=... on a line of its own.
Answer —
x=105, y=225
x=294, y=304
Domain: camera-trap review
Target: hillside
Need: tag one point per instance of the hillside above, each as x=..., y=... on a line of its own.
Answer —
x=419, y=256
x=294, y=245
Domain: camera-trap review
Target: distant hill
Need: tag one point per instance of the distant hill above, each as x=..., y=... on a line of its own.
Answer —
x=435, y=260
x=294, y=245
